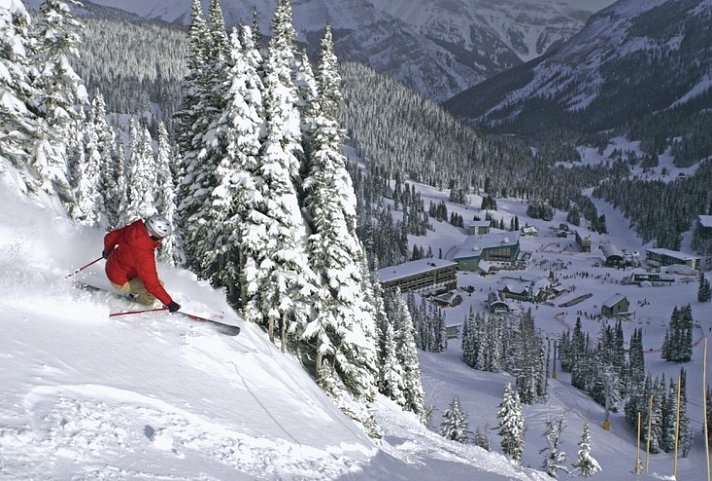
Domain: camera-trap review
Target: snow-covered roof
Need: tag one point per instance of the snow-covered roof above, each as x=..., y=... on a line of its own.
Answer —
x=474, y=244
x=674, y=254
x=612, y=301
x=611, y=250
x=705, y=220
x=411, y=268
x=479, y=223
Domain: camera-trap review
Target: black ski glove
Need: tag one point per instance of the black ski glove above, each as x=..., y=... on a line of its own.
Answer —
x=173, y=306
x=105, y=254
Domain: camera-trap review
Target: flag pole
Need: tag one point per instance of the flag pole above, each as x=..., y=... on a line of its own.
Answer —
x=677, y=427
x=704, y=409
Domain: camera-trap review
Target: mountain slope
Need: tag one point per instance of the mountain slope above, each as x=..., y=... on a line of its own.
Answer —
x=632, y=60
x=155, y=397
x=439, y=48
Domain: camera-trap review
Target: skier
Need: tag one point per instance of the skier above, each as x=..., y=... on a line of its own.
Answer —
x=131, y=261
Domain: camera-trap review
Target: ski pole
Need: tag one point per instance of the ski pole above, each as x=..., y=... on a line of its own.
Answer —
x=127, y=313
x=84, y=267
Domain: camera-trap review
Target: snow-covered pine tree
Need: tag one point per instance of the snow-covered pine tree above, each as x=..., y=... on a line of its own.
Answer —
x=166, y=193
x=189, y=117
x=636, y=362
x=677, y=345
x=61, y=98
x=454, y=425
x=406, y=352
x=88, y=205
x=205, y=149
x=555, y=458
x=234, y=153
x=18, y=124
x=684, y=431
x=704, y=291
x=277, y=276
x=481, y=439
x=333, y=248
x=111, y=177
x=585, y=464
x=469, y=342
x=142, y=181
x=530, y=364
x=511, y=425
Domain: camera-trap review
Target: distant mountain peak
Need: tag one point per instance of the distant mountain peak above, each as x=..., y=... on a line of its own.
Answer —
x=438, y=47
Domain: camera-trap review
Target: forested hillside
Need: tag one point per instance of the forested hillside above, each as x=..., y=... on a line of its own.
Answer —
x=136, y=65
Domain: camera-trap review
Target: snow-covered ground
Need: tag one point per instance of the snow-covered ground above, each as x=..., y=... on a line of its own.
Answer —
x=446, y=376
x=156, y=397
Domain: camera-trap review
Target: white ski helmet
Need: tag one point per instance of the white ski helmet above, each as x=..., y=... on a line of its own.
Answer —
x=158, y=226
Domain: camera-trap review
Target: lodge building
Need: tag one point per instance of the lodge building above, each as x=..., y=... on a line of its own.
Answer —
x=667, y=257
x=423, y=274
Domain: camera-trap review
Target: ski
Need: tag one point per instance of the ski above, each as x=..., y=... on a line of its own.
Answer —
x=227, y=329
x=222, y=328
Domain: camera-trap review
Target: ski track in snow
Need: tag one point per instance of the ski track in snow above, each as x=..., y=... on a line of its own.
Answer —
x=99, y=425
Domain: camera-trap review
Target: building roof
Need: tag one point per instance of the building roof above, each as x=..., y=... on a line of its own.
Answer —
x=705, y=220
x=411, y=268
x=674, y=254
x=479, y=223
x=475, y=244
x=611, y=250
x=612, y=301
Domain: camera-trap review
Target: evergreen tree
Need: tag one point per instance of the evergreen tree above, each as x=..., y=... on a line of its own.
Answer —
x=407, y=354
x=200, y=147
x=585, y=465
x=333, y=248
x=142, y=182
x=511, y=425
x=87, y=207
x=18, y=121
x=278, y=279
x=165, y=199
x=111, y=183
x=684, y=430
x=454, y=425
x=677, y=345
x=481, y=439
x=554, y=458
x=704, y=292
x=61, y=98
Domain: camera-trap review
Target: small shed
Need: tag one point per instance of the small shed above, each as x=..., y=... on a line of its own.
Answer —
x=615, y=306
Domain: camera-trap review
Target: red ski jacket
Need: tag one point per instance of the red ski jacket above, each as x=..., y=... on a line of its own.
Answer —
x=133, y=254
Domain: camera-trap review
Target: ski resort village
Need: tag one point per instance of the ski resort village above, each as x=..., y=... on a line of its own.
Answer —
x=355, y=240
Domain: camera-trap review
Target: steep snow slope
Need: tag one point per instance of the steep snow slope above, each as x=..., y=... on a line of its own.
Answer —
x=156, y=397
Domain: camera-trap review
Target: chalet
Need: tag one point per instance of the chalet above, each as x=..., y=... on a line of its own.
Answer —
x=518, y=292
x=667, y=257
x=478, y=227
x=583, y=243
x=529, y=230
x=494, y=248
x=615, y=306
x=614, y=256
x=420, y=275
